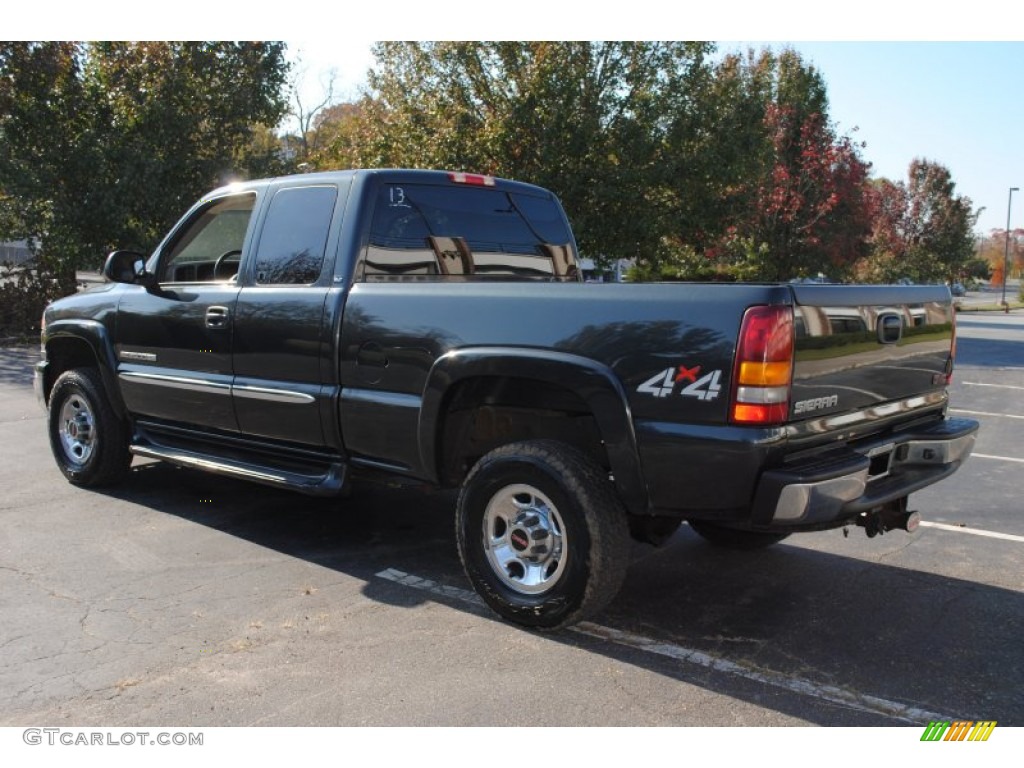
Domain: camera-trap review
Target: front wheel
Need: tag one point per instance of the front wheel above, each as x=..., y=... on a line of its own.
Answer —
x=542, y=536
x=89, y=441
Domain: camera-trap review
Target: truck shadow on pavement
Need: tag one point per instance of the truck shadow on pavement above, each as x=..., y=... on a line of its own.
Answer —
x=932, y=643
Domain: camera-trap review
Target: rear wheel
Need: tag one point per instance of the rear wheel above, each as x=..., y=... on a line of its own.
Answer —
x=89, y=441
x=541, y=534
x=735, y=538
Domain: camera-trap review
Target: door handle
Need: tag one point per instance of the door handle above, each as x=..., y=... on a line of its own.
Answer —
x=217, y=317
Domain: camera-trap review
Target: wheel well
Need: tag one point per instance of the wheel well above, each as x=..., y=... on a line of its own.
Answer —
x=64, y=354
x=483, y=413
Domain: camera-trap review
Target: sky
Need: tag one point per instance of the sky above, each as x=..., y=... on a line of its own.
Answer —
x=960, y=104
x=917, y=90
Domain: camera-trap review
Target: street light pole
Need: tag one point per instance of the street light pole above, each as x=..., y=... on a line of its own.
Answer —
x=1006, y=254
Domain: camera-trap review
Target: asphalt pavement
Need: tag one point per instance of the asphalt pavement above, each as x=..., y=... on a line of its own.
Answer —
x=185, y=598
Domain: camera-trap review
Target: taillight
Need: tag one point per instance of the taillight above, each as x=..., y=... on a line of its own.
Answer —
x=764, y=366
x=475, y=179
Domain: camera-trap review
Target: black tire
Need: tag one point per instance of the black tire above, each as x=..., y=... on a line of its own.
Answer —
x=542, y=495
x=735, y=538
x=88, y=440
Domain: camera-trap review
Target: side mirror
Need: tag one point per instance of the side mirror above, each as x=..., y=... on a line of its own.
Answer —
x=127, y=267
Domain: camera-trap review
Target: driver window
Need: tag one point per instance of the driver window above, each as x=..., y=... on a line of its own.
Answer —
x=209, y=248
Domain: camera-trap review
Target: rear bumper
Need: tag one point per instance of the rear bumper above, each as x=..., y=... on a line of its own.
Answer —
x=838, y=487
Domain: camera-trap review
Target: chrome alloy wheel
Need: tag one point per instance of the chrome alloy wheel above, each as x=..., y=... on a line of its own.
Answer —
x=77, y=429
x=524, y=539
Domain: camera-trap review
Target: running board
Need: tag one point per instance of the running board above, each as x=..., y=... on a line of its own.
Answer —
x=331, y=483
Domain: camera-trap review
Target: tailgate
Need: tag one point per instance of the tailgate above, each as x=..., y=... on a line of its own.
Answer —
x=858, y=347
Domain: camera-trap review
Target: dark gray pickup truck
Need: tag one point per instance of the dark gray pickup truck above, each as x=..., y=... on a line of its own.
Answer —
x=433, y=326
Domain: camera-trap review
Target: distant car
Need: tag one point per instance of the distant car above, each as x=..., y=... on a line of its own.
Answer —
x=904, y=281
x=957, y=289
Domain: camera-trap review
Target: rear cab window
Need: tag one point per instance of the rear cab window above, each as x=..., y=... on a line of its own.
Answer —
x=433, y=232
x=293, y=242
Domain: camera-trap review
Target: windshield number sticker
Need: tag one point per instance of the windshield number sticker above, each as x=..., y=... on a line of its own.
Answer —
x=397, y=198
x=663, y=383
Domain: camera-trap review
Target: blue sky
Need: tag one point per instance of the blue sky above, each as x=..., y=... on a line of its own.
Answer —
x=960, y=104
x=957, y=103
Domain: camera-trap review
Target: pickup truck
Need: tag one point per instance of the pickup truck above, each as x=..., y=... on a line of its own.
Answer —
x=434, y=326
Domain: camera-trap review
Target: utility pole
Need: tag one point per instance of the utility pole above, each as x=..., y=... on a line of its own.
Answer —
x=1006, y=254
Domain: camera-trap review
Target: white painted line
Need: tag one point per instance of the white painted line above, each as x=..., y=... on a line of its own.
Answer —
x=830, y=693
x=982, y=384
x=972, y=531
x=987, y=413
x=996, y=458
x=426, y=585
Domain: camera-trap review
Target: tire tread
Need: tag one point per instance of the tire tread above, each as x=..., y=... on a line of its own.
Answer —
x=589, y=486
x=112, y=459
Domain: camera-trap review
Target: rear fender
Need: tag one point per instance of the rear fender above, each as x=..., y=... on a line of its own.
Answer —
x=593, y=382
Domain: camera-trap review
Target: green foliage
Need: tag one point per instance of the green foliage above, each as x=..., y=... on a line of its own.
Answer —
x=105, y=144
x=696, y=169
x=594, y=122
x=792, y=203
x=676, y=264
x=24, y=293
x=41, y=125
x=923, y=229
x=335, y=136
x=693, y=169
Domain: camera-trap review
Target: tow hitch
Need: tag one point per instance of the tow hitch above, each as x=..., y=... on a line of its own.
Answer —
x=888, y=518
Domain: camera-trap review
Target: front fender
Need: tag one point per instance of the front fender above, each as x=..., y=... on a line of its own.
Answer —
x=593, y=382
x=96, y=337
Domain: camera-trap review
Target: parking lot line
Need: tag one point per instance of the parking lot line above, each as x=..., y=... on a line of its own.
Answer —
x=972, y=531
x=983, y=384
x=987, y=413
x=833, y=694
x=996, y=458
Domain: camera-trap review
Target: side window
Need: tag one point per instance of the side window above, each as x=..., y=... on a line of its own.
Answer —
x=294, y=238
x=209, y=247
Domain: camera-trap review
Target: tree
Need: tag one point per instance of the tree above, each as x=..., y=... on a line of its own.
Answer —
x=305, y=144
x=793, y=201
x=811, y=213
x=42, y=126
x=180, y=117
x=924, y=229
x=996, y=250
x=336, y=130
x=105, y=144
x=589, y=120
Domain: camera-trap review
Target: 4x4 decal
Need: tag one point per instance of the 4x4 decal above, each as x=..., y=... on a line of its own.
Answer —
x=663, y=383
